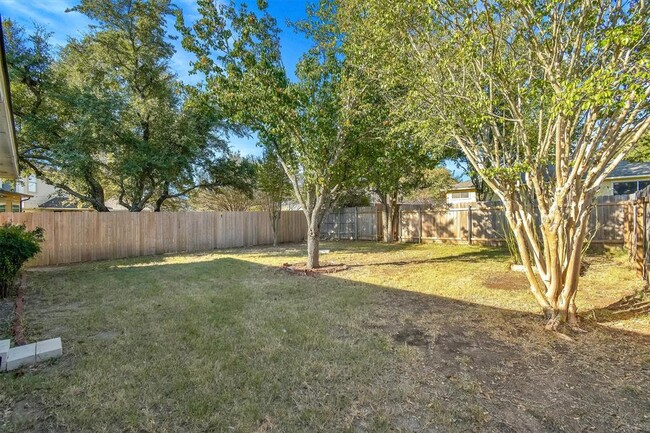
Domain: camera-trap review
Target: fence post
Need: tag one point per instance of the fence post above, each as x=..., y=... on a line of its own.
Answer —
x=376, y=225
x=399, y=224
x=645, y=239
x=356, y=223
x=469, y=223
x=639, y=237
x=420, y=221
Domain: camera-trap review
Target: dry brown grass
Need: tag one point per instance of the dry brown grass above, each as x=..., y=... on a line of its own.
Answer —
x=410, y=338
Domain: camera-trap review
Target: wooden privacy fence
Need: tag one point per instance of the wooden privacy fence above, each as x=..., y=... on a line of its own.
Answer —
x=485, y=224
x=637, y=229
x=352, y=223
x=72, y=237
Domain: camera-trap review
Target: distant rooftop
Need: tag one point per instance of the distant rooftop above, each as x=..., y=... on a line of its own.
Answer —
x=622, y=170
x=466, y=184
x=61, y=202
x=631, y=169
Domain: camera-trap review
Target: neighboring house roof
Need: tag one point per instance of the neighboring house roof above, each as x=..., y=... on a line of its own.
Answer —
x=630, y=169
x=61, y=202
x=5, y=192
x=8, y=147
x=467, y=184
x=625, y=169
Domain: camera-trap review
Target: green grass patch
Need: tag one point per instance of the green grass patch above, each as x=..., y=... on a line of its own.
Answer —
x=411, y=338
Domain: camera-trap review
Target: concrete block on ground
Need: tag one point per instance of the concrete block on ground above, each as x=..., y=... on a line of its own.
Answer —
x=48, y=349
x=4, y=351
x=323, y=251
x=20, y=356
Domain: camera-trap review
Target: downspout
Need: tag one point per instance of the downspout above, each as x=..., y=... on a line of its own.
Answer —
x=21, y=203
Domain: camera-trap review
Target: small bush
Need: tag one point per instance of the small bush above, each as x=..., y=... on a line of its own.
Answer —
x=17, y=245
x=511, y=243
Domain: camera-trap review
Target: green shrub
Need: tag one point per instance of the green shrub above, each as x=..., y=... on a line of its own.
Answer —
x=17, y=245
x=511, y=243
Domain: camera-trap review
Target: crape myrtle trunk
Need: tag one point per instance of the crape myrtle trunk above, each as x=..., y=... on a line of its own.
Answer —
x=551, y=248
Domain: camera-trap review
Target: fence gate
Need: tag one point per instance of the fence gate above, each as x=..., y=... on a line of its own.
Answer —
x=352, y=223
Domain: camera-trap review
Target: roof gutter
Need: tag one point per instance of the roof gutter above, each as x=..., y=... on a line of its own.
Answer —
x=11, y=126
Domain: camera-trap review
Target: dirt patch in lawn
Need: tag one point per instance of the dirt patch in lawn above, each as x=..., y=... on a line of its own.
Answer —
x=515, y=375
x=412, y=336
x=24, y=413
x=509, y=280
x=301, y=268
x=423, y=346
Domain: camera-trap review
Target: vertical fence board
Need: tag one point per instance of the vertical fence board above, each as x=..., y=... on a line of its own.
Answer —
x=87, y=236
x=73, y=237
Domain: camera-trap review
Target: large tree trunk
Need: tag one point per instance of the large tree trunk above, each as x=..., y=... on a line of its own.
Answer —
x=100, y=207
x=389, y=215
x=313, y=244
x=164, y=195
x=159, y=202
x=314, y=219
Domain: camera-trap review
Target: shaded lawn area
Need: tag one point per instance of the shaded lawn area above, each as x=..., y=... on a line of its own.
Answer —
x=414, y=338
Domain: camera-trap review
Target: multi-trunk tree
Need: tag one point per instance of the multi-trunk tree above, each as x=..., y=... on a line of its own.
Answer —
x=543, y=98
x=396, y=167
x=394, y=160
x=304, y=123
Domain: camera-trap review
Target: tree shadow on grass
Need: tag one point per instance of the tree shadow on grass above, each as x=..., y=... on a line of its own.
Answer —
x=466, y=256
x=257, y=346
x=300, y=249
x=628, y=307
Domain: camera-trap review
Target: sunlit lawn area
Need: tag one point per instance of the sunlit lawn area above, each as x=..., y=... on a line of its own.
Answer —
x=412, y=338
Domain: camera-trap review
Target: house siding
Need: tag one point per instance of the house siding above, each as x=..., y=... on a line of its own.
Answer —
x=43, y=193
x=607, y=187
x=9, y=202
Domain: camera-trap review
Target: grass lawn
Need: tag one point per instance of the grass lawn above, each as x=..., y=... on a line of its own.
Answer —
x=413, y=338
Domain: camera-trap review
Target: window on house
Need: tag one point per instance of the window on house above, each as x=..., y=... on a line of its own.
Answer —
x=622, y=188
x=31, y=183
x=3, y=208
x=460, y=195
x=15, y=208
x=643, y=184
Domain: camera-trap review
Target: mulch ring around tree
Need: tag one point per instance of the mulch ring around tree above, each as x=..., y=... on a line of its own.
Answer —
x=301, y=268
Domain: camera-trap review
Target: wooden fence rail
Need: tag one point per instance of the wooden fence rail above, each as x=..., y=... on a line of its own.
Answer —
x=89, y=236
x=72, y=237
x=637, y=239
x=481, y=223
x=487, y=224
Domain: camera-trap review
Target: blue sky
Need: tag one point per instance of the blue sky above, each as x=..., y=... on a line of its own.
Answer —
x=51, y=15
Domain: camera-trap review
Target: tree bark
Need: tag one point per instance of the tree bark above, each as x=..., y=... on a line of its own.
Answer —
x=390, y=211
x=314, y=218
x=275, y=225
x=313, y=244
x=551, y=252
